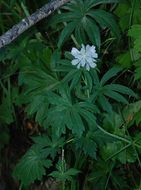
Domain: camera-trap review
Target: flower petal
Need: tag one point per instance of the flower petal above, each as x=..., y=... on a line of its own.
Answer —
x=75, y=52
x=92, y=64
x=83, y=62
x=74, y=61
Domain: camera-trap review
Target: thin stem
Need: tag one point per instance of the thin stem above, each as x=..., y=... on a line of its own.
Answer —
x=134, y=144
x=112, y=135
x=20, y=188
x=122, y=149
x=130, y=23
x=85, y=82
x=109, y=176
x=70, y=140
x=119, y=137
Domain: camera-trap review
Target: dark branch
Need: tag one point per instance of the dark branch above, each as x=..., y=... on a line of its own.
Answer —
x=29, y=21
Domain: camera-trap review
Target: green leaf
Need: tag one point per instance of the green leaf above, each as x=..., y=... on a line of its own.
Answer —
x=38, y=106
x=123, y=11
x=135, y=33
x=113, y=122
x=116, y=96
x=63, y=173
x=101, y=139
x=75, y=16
x=92, y=3
x=89, y=118
x=92, y=31
x=66, y=33
x=121, y=89
x=99, y=175
x=31, y=166
x=104, y=103
x=75, y=79
x=78, y=126
x=109, y=74
x=138, y=70
x=131, y=113
x=49, y=146
x=105, y=19
x=137, y=138
x=88, y=145
x=63, y=114
x=119, y=151
x=80, y=34
x=124, y=59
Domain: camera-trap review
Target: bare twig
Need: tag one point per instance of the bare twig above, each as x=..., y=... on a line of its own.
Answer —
x=29, y=21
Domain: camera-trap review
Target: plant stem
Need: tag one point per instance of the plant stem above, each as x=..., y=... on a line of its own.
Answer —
x=114, y=136
x=20, y=188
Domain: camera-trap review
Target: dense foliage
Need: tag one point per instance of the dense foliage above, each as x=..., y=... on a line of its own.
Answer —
x=64, y=127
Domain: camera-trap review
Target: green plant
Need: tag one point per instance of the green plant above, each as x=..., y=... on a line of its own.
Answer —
x=81, y=18
x=74, y=110
x=68, y=107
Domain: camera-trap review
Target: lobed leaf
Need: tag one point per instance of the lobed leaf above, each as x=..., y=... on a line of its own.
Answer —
x=31, y=167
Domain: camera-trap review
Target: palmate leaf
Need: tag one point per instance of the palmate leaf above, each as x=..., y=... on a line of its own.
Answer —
x=31, y=166
x=74, y=78
x=88, y=146
x=66, y=175
x=35, y=75
x=104, y=92
x=65, y=114
x=37, y=80
x=49, y=146
x=84, y=25
x=38, y=105
x=105, y=19
x=62, y=173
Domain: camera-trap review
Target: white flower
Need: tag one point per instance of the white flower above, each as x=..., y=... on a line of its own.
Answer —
x=86, y=57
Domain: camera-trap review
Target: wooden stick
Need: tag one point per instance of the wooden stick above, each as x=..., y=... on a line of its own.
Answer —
x=29, y=21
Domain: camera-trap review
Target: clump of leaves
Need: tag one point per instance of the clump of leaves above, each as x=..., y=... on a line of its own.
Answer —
x=32, y=166
x=66, y=101
x=84, y=19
